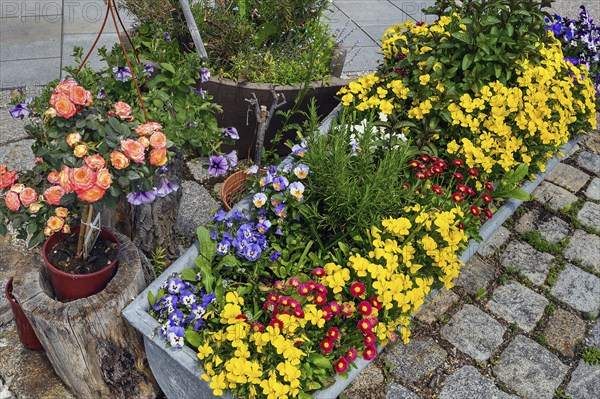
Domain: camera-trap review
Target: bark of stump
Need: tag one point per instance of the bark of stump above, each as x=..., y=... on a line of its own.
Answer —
x=90, y=346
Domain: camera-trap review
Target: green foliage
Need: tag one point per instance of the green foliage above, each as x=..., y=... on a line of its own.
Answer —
x=353, y=191
x=158, y=258
x=591, y=356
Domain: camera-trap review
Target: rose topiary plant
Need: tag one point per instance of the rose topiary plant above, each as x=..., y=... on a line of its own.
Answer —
x=89, y=152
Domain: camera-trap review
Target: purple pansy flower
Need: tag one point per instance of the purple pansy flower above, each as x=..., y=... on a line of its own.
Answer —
x=122, y=73
x=298, y=150
x=274, y=256
x=167, y=37
x=166, y=188
x=280, y=183
x=19, y=111
x=200, y=92
x=175, y=336
x=148, y=69
x=101, y=94
x=223, y=247
x=232, y=158
x=141, y=197
x=217, y=165
x=219, y=216
x=204, y=75
x=252, y=252
x=231, y=132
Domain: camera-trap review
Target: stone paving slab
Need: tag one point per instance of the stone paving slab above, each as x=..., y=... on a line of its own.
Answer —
x=432, y=311
x=467, y=382
x=589, y=162
x=554, y=196
x=397, y=391
x=524, y=258
x=369, y=384
x=496, y=240
x=516, y=303
x=593, y=337
x=11, y=129
x=593, y=189
x=551, y=228
x=584, y=247
x=18, y=156
x=475, y=275
x=578, y=289
x=38, y=72
x=589, y=215
x=568, y=177
x=196, y=208
x=585, y=382
x=530, y=369
x=30, y=37
x=563, y=331
x=474, y=332
x=418, y=358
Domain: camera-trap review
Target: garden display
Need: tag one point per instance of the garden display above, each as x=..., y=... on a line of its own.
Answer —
x=343, y=242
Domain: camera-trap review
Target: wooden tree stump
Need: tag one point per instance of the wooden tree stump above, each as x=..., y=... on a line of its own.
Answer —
x=90, y=346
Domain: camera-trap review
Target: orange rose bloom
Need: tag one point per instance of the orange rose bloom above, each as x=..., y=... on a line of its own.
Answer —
x=55, y=223
x=65, y=87
x=158, y=140
x=61, y=212
x=143, y=140
x=53, y=195
x=65, y=181
x=28, y=196
x=91, y=195
x=48, y=231
x=64, y=107
x=123, y=110
x=82, y=178
x=80, y=150
x=54, y=177
x=17, y=188
x=7, y=177
x=66, y=229
x=35, y=207
x=103, y=179
x=119, y=160
x=133, y=150
x=158, y=156
x=12, y=201
x=80, y=96
x=95, y=161
x=73, y=139
x=148, y=128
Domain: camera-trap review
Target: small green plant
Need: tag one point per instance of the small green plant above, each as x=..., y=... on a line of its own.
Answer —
x=591, y=356
x=481, y=293
x=550, y=308
x=560, y=394
x=541, y=338
x=589, y=315
x=387, y=369
x=554, y=273
x=159, y=256
x=535, y=239
x=513, y=328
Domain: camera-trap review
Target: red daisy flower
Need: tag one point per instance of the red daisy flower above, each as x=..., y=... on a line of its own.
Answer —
x=458, y=162
x=420, y=175
x=488, y=186
x=333, y=333
x=294, y=282
x=319, y=272
x=304, y=290
x=326, y=345
x=370, y=339
x=474, y=210
x=357, y=288
x=457, y=197
x=320, y=299
x=375, y=302
x=369, y=353
x=365, y=325
x=489, y=213
x=351, y=355
x=365, y=308
x=424, y=158
x=473, y=172
x=327, y=313
x=487, y=198
x=341, y=365
x=437, y=189
x=458, y=176
x=272, y=297
x=335, y=307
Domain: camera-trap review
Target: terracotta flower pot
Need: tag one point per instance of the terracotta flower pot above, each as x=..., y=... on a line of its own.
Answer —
x=233, y=186
x=68, y=286
x=24, y=329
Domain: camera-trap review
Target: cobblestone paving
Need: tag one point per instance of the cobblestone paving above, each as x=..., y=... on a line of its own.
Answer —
x=523, y=310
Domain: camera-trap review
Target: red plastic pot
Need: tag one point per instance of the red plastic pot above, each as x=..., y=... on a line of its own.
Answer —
x=68, y=286
x=24, y=329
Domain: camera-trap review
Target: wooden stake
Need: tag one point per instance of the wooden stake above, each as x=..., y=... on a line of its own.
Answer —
x=84, y=228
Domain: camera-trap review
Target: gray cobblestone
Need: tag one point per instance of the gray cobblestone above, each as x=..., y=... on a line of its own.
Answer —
x=496, y=240
x=584, y=247
x=397, y=391
x=467, y=382
x=563, y=331
x=578, y=289
x=18, y=156
x=440, y=304
x=525, y=259
x=593, y=337
x=474, y=332
x=568, y=177
x=551, y=228
x=554, y=196
x=415, y=360
x=593, y=189
x=585, y=382
x=589, y=161
x=475, y=275
x=589, y=215
x=518, y=304
x=530, y=369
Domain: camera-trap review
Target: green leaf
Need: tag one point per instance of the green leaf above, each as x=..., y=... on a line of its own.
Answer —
x=490, y=20
x=151, y=299
x=304, y=395
x=320, y=361
x=168, y=67
x=193, y=338
x=188, y=275
x=518, y=194
x=3, y=229
x=463, y=37
x=467, y=61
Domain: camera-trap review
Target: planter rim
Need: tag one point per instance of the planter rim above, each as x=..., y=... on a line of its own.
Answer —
x=104, y=231
x=136, y=312
x=334, y=81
